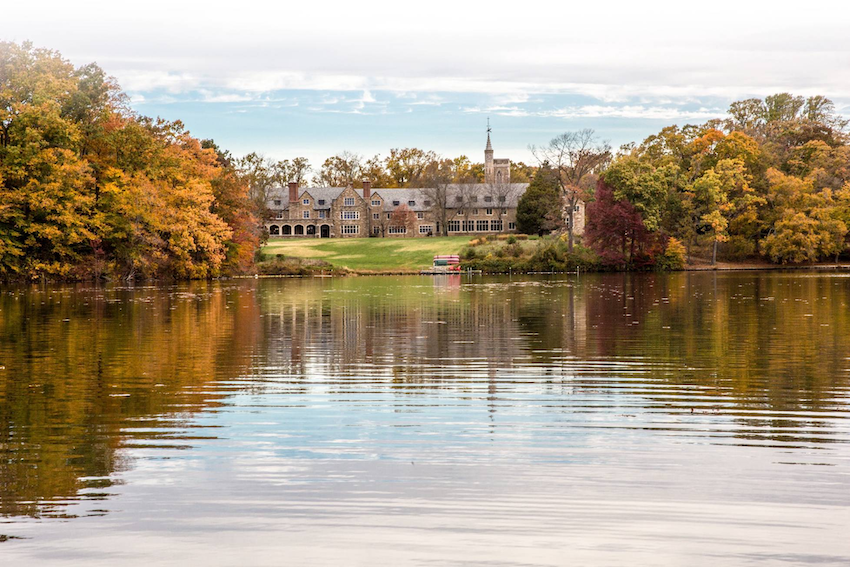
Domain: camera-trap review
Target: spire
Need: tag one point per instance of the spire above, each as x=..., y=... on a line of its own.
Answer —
x=489, y=147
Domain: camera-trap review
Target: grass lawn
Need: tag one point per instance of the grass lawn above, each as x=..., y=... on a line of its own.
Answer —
x=370, y=254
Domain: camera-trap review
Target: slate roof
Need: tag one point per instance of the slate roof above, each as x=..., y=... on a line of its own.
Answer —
x=512, y=192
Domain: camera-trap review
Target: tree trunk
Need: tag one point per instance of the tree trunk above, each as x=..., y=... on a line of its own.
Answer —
x=714, y=253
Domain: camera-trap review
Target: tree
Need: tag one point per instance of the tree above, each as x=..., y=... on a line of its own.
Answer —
x=438, y=179
x=341, y=170
x=576, y=157
x=616, y=232
x=403, y=217
x=407, y=165
x=539, y=208
x=88, y=187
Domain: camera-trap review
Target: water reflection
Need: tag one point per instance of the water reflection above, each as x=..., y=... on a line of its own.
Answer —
x=565, y=408
x=87, y=371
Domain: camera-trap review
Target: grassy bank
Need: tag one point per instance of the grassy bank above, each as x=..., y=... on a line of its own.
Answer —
x=365, y=255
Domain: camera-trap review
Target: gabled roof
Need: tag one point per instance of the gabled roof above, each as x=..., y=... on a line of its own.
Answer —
x=511, y=191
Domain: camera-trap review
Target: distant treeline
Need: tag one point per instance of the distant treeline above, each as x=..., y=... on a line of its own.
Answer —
x=771, y=181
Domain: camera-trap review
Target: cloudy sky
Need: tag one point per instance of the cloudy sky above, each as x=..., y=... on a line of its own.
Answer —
x=315, y=78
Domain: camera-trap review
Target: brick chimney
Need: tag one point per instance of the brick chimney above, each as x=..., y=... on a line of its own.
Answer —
x=293, y=191
x=367, y=189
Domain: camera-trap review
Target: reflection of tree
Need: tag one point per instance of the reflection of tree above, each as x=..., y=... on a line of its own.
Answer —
x=88, y=370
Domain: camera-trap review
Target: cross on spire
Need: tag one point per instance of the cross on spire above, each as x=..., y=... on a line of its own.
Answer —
x=489, y=147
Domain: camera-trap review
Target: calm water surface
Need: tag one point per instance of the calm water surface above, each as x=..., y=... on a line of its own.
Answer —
x=685, y=419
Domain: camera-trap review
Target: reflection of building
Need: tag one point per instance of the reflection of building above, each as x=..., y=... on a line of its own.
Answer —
x=323, y=212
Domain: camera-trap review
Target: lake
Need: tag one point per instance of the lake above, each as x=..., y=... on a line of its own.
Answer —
x=613, y=419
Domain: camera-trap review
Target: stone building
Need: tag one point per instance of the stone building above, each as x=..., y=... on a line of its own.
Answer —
x=333, y=212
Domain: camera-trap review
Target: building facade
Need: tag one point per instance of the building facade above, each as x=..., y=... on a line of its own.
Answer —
x=340, y=212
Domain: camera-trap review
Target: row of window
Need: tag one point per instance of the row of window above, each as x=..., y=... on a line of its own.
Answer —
x=454, y=226
x=479, y=226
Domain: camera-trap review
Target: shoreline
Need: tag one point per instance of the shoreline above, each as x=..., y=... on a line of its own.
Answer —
x=691, y=268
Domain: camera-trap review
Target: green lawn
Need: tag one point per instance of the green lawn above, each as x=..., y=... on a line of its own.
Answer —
x=370, y=254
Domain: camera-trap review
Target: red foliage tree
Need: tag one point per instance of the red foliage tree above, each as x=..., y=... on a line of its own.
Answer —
x=616, y=232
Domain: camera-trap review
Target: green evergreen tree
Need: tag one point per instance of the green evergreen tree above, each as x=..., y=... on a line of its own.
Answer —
x=539, y=209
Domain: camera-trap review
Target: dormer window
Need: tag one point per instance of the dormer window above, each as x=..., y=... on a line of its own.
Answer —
x=349, y=201
x=376, y=203
x=277, y=202
x=411, y=203
x=488, y=199
x=305, y=202
x=475, y=198
x=502, y=198
x=396, y=203
x=427, y=203
x=458, y=199
x=321, y=201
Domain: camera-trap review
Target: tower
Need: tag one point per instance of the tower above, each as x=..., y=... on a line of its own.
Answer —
x=495, y=170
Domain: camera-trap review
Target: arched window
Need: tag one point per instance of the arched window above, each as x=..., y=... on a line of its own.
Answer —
x=287, y=230
x=498, y=176
x=299, y=230
x=274, y=230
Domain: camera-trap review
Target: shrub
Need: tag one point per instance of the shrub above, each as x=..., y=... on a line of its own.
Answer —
x=511, y=239
x=673, y=257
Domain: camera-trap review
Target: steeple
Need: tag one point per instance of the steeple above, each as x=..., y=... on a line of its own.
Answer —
x=489, y=174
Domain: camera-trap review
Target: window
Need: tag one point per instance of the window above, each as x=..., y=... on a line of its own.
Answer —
x=350, y=215
x=475, y=198
x=460, y=211
x=411, y=203
x=427, y=203
x=502, y=198
x=420, y=215
x=376, y=216
x=468, y=226
x=511, y=226
x=349, y=201
x=576, y=208
x=488, y=211
x=454, y=226
x=274, y=230
x=305, y=215
x=396, y=203
x=389, y=216
x=376, y=203
x=305, y=202
x=376, y=230
x=425, y=228
x=482, y=225
x=322, y=214
x=496, y=225
x=279, y=215
x=458, y=199
x=321, y=201
x=474, y=211
x=277, y=202
x=488, y=199
x=397, y=230
x=350, y=229
x=504, y=211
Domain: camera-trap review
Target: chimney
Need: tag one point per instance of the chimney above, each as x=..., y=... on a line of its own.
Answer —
x=367, y=189
x=293, y=191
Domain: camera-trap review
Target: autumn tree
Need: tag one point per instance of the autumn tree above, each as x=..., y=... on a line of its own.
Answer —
x=403, y=218
x=341, y=170
x=406, y=166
